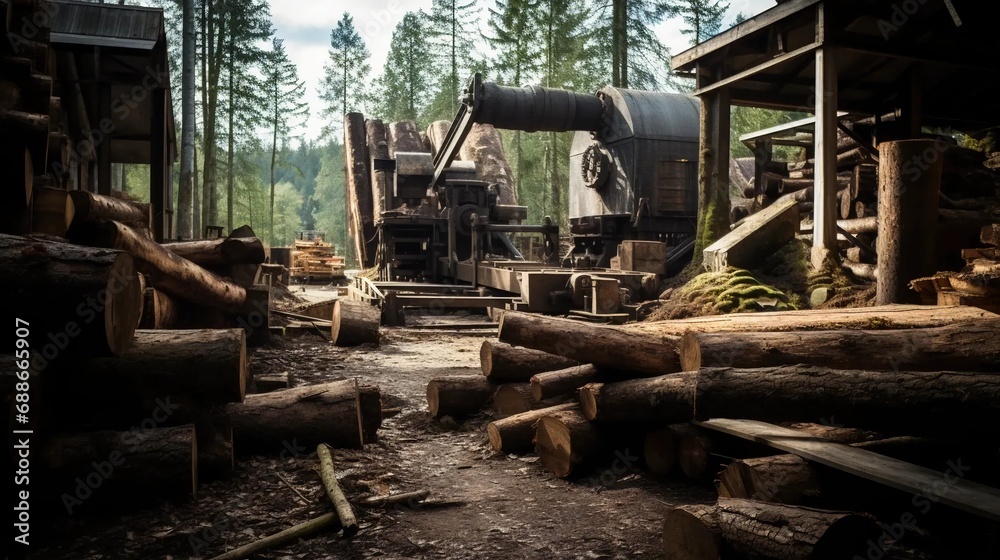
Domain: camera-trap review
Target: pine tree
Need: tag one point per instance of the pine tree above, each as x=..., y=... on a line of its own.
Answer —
x=451, y=24
x=286, y=110
x=406, y=77
x=346, y=73
x=637, y=58
x=702, y=17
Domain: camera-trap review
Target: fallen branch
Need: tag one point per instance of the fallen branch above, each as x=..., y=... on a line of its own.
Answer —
x=333, y=490
x=404, y=498
x=291, y=534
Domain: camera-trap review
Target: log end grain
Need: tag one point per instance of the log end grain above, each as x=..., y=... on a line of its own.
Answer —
x=486, y=358
x=554, y=446
x=588, y=399
x=512, y=398
x=690, y=533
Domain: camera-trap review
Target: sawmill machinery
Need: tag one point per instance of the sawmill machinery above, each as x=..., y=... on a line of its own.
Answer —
x=632, y=198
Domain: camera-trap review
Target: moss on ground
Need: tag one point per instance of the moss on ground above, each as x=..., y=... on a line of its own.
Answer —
x=733, y=291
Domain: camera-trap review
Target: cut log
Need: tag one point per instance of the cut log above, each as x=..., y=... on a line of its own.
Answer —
x=354, y=324
x=370, y=401
x=915, y=403
x=907, y=214
x=590, y=344
x=695, y=453
x=216, y=457
x=502, y=362
x=458, y=395
x=90, y=207
x=221, y=252
x=168, y=272
x=640, y=400
x=484, y=147
x=553, y=384
x=865, y=271
x=565, y=441
x=298, y=418
x=211, y=364
x=990, y=235
x=970, y=346
x=513, y=398
x=269, y=383
x=403, y=137
x=659, y=450
x=516, y=433
x=15, y=198
x=360, y=208
x=884, y=317
x=159, y=311
x=378, y=148
x=333, y=491
x=436, y=133
x=757, y=238
x=767, y=530
x=74, y=299
x=51, y=212
x=158, y=463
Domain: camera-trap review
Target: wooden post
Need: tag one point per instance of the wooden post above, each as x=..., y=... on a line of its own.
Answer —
x=713, y=170
x=104, y=147
x=909, y=186
x=825, y=207
x=158, y=165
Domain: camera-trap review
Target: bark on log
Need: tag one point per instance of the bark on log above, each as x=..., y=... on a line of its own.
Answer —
x=659, y=450
x=916, y=403
x=59, y=288
x=333, y=491
x=302, y=416
x=160, y=311
x=90, y=207
x=565, y=441
x=590, y=344
x=502, y=362
x=211, y=364
x=553, y=384
x=360, y=209
x=885, y=317
x=403, y=137
x=159, y=462
x=436, y=133
x=769, y=530
x=168, y=272
x=458, y=395
x=865, y=271
x=378, y=148
x=354, y=324
x=222, y=252
x=370, y=401
x=516, y=433
x=970, y=346
x=640, y=400
x=907, y=215
x=484, y=147
x=513, y=398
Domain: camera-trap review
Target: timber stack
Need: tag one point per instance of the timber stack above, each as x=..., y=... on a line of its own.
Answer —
x=749, y=401
x=978, y=284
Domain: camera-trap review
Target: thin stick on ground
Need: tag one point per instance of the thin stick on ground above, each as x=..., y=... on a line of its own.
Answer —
x=407, y=498
x=291, y=534
x=292, y=488
x=333, y=490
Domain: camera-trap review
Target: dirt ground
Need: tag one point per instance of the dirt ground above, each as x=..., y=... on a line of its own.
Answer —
x=483, y=505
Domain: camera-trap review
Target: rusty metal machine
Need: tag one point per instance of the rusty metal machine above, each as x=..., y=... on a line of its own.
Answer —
x=633, y=173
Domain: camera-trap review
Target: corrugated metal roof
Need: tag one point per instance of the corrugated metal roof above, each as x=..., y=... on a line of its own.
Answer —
x=106, y=24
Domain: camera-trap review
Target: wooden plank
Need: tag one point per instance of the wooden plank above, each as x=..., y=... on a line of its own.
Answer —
x=965, y=495
x=776, y=61
x=757, y=238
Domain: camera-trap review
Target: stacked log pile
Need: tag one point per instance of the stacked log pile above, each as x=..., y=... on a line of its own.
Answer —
x=978, y=284
x=933, y=376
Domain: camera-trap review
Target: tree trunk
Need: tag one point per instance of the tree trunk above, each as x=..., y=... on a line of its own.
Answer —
x=153, y=463
x=355, y=323
x=378, y=148
x=907, y=215
x=221, y=252
x=458, y=395
x=551, y=384
x=502, y=362
x=769, y=530
x=565, y=441
x=589, y=344
x=886, y=317
x=210, y=364
x=168, y=272
x=640, y=400
x=90, y=207
x=484, y=147
x=970, y=346
x=436, y=133
x=272, y=423
x=75, y=299
x=515, y=434
x=359, y=185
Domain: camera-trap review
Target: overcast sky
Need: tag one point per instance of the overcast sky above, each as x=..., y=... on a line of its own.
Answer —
x=305, y=26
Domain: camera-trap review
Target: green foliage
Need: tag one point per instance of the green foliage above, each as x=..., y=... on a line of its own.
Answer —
x=451, y=25
x=631, y=54
x=733, y=291
x=346, y=74
x=703, y=18
x=330, y=211
x=744, y=120
x=406, y=77
x=287, y=220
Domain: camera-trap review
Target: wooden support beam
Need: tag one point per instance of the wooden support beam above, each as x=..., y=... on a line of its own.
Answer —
x=713, y=169
x=948, y=488
x=825, y=207
x=158, y=166
x=758, y=237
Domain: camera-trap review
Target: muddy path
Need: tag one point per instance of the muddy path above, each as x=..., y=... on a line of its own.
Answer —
x=483, y=505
